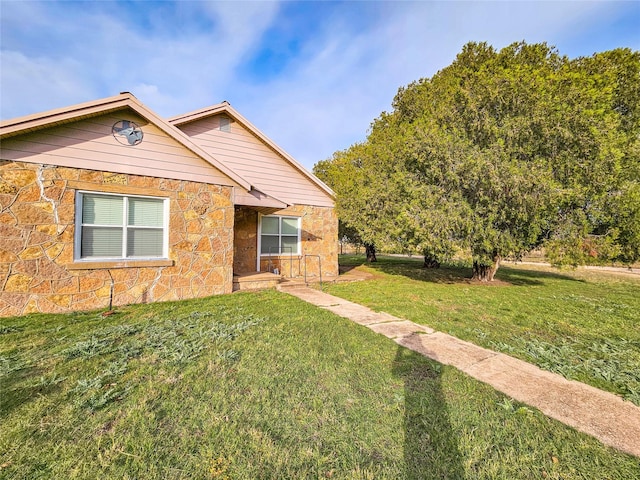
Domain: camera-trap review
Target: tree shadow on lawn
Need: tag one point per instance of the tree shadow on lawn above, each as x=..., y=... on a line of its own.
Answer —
x=454, y=274
x=430, y=445
x=345, y=268
x=522, y=276
x=16, y=392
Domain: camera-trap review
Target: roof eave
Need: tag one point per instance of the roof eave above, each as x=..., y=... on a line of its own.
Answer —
x=58, y=116
x=29, y=123
x=183, y=138
x=198, y=114
x=225, y=107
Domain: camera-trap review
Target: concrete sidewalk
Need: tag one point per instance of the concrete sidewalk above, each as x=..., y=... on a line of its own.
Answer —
x=601, y=414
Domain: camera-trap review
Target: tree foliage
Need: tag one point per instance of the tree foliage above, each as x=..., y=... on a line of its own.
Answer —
x=501, y=152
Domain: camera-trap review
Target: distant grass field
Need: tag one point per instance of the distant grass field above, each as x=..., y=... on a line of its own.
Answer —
x=260, y=386
x=583, y=324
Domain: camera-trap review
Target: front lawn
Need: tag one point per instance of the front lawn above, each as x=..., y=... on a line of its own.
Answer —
x=260, y=385
x=583, y=324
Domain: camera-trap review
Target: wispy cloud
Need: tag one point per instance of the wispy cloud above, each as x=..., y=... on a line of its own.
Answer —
x=327, y=99
x=312, y=76
x=190, y=51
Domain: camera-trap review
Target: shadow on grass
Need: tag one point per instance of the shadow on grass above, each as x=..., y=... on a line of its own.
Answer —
x=430, y=445
x=15, y=393
x=523, y=276
x=452, y=274
x=345, y=268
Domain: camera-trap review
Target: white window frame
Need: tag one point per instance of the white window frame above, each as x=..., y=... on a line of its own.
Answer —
x=77, y=242
x=279, y=217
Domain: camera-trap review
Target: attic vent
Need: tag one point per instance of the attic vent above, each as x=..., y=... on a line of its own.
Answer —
x=126, y=132
x=225, y=124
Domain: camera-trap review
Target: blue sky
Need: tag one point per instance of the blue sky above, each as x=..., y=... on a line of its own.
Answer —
x=310, y=75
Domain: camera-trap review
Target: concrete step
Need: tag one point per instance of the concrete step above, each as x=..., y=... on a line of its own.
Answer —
x=255, y=281
x=264, y=280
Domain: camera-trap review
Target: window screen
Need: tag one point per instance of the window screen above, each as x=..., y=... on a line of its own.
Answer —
x=118, y=226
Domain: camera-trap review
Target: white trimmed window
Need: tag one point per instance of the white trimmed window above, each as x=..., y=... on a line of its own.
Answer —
x=279, y=235
x=110, y=226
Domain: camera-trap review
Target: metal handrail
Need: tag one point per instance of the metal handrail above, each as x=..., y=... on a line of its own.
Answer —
x=280, y=248
x=319, y=267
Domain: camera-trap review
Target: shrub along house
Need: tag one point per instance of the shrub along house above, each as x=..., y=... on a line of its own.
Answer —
x=107, y=202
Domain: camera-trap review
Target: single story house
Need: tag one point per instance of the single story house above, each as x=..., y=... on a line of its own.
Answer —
x=107, y=202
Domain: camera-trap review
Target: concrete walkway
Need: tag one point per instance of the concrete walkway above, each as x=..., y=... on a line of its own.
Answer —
x=601, y=414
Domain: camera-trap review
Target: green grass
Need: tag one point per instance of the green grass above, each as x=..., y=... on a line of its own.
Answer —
x=260, y=385
x=584, y=325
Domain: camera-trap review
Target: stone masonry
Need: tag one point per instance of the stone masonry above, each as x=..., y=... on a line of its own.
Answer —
x=245, y=240
x=37, y=224
x=319, y=236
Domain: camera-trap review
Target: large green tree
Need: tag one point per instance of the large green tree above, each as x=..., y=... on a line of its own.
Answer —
x=499, y=153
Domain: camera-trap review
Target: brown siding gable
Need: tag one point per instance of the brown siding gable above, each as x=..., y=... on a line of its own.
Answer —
x=31, y=123
x=226, y=108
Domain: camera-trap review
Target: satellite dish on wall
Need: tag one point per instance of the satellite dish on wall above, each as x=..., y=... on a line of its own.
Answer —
x=127, y=132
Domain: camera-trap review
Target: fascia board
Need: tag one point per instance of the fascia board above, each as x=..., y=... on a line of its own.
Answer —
x=80, y=111
x=184, y=139
x=225, y=107
x=197, y=114
x=36, y=121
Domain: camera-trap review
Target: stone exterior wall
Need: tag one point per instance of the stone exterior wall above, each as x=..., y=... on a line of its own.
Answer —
x=37, y=269
x=319, y=237
x=245, y=240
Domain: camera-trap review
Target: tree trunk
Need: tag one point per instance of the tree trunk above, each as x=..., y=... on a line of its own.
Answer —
x=430, y=261
x=484, y=272
x=371, y=252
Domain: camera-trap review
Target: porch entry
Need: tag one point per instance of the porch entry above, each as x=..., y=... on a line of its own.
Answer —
x=270, y=242
x=266, y=242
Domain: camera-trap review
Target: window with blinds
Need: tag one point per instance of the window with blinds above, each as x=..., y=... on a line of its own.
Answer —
x=279, y=235
x=121, y=226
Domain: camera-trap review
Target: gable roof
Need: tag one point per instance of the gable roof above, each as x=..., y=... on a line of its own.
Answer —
x=73, y=113
x=226, y=108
